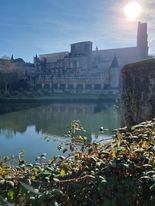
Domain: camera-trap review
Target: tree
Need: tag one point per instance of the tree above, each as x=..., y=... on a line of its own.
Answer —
x=8, y=75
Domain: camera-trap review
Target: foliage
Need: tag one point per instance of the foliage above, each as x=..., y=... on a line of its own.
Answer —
x=120, y=172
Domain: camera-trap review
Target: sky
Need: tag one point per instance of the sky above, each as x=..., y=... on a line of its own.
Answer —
x=30, y=27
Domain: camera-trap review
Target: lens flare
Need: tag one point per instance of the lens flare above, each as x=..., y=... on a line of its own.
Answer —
x=133, y=10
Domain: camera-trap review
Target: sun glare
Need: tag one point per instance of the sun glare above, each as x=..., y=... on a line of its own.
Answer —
x=132, y=10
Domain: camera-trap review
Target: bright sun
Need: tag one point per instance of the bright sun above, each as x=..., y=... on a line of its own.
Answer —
x=132, y=10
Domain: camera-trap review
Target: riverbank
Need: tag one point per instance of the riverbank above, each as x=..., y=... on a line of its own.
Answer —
x=63, y=98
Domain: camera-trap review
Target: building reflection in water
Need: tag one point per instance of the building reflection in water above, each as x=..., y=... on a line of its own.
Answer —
x=53, y=119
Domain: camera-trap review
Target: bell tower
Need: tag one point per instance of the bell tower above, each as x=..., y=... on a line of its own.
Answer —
x=142, y=42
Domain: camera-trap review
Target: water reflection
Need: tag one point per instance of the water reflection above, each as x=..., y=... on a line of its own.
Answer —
x=23, y=128
x=54, y=118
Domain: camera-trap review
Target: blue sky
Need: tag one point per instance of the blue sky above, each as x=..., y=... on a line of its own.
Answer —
x=30, y=27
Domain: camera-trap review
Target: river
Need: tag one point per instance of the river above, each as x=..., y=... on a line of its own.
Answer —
x=34, y=129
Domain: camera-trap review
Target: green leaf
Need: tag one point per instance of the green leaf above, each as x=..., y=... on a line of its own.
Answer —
x=30, y=188
x=10, y=195
x=152, y=172
x=147, y=166
x=152, y=188
x=11, y=183
x=54, y=203
x=57, y=192
x=55, y=179
x=145, y=178
x=2, y=181
x=65, y=150
x=102, y=178
x=59, y=147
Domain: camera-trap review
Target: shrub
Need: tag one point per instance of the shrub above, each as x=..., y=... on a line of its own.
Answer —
x=120, y=172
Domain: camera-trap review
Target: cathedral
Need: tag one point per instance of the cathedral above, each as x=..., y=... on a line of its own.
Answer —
x=83, y=69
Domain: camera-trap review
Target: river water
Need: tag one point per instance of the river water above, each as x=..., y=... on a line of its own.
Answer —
x=41, y=128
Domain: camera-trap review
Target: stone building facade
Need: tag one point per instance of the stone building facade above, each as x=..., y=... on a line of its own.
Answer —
x=85, y=69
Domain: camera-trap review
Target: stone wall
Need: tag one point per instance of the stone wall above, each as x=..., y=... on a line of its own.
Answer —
x=138, y=92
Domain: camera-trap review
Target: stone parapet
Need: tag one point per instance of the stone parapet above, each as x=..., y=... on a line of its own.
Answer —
x=138, y=92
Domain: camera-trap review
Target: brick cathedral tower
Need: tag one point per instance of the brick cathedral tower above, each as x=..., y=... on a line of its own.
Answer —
x=142, y=42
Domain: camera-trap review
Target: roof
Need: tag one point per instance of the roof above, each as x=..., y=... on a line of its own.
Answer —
x=53, y=57
x=82, y=42
x=114, y=63
x=19, y=60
